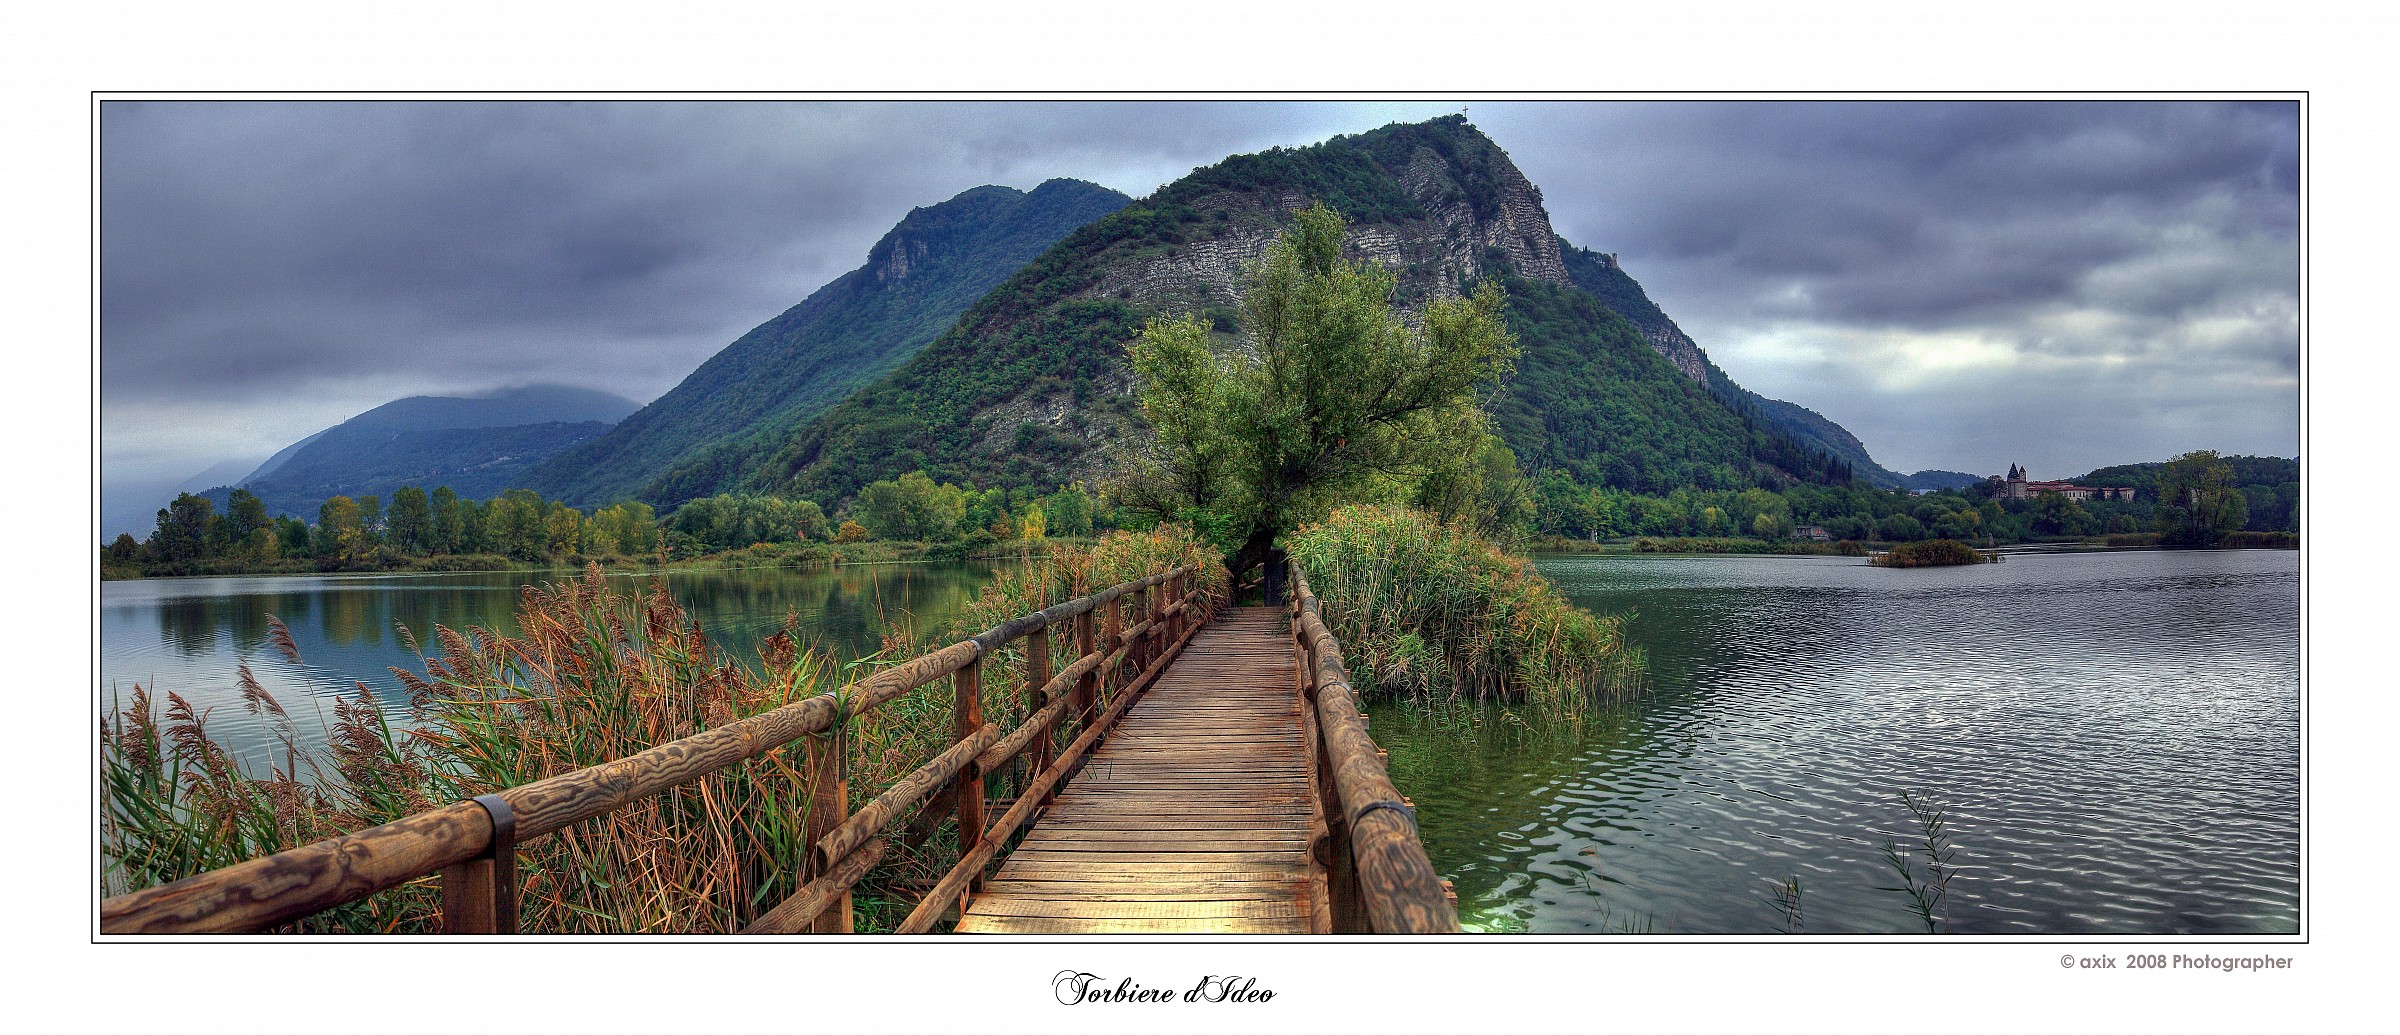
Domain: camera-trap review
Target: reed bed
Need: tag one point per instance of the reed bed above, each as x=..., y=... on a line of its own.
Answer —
x=1429, y=611
x=1932, y=553
x=597, y=672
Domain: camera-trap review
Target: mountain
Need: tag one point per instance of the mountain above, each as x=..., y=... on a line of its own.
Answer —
x=476, y=445
x=1936, y=481
x=1599, y=274
x=1030, y=386
x=747, y=399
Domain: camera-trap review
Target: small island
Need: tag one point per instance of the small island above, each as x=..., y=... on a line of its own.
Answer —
x=1932, y=553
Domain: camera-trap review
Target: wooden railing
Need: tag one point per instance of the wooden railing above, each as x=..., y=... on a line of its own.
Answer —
x=1369, y=866
x=472, y=844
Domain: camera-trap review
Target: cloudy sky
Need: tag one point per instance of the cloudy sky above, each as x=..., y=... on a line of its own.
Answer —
x=1963, y=285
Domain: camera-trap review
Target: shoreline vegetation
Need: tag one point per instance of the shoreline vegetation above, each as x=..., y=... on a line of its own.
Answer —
x=813, y=556
x=801, y=556
x=1702, y=545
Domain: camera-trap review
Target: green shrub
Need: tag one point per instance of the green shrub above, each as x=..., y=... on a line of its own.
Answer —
x=1428, y=610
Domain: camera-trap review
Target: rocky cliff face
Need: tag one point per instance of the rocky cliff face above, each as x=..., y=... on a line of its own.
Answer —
x=1680, y=349
x=1448, y=242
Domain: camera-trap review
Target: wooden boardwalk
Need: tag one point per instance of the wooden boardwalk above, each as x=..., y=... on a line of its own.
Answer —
x=1192, y=817
x=1229, y=787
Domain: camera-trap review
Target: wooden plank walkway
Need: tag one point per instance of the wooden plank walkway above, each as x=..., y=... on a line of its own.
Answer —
x=1191, y=818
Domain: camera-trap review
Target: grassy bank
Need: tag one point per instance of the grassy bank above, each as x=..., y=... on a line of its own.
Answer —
x=1700, y=545
x=1429, y=611
x=601, y=670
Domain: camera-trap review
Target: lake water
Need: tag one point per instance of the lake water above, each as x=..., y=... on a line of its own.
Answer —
x=187, y=635
x=2114, y=739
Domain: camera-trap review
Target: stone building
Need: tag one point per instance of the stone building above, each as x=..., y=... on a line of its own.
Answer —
x=2016, y=487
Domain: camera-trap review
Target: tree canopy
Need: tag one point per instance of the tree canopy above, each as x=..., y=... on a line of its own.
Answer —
x=2197, y=501
x=1340, y=398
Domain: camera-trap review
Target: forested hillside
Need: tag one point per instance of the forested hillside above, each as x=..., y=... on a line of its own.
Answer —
x=713, y=429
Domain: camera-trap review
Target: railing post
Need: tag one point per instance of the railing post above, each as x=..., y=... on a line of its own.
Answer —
x=479, y=896
x=1086, y=685
x=1037, y=675
x=967, y=718
x=1154, y=608
x=828, y=763
x=1175, y=624
x=1140, y=654
x=1113, y=634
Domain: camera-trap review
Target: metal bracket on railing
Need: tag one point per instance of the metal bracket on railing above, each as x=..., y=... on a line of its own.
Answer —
x=503, y=855
x=1406, y=812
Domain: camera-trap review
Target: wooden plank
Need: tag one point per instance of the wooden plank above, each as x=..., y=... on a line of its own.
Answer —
x=1159, y=891
x=1141, y=873
x=980, y=924
x=1134, y=909
x=1154, y=843
x=1120, y=857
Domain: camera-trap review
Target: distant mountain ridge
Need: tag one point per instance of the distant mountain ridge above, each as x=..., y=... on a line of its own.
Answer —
x=1030, y=386
x=714, y=428
x=477, y=445
x=1935, y=481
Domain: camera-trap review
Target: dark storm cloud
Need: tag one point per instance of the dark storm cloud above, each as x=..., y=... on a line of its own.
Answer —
x=1878, y=261
x=272, y=268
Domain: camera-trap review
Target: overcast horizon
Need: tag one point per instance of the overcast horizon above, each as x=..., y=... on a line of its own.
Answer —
x=1962, y=285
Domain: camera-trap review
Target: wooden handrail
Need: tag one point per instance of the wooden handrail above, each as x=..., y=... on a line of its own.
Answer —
x=264, y=892
x=1378, y=877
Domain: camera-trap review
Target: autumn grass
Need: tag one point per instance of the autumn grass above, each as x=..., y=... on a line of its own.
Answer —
x=1429, y=611
x=598, y=671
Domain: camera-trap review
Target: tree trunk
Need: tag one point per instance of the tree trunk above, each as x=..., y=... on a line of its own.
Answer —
x=1252, y=554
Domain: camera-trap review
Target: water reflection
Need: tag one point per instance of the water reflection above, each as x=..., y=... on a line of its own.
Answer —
x=2116, y=738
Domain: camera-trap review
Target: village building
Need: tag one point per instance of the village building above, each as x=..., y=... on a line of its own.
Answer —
x=2016, y=487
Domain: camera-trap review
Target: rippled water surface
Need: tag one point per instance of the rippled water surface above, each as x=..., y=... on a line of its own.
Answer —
x=187, y=635
x=2114, y=737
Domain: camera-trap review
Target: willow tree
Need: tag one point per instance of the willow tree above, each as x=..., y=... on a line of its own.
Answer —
x=1336, y=395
